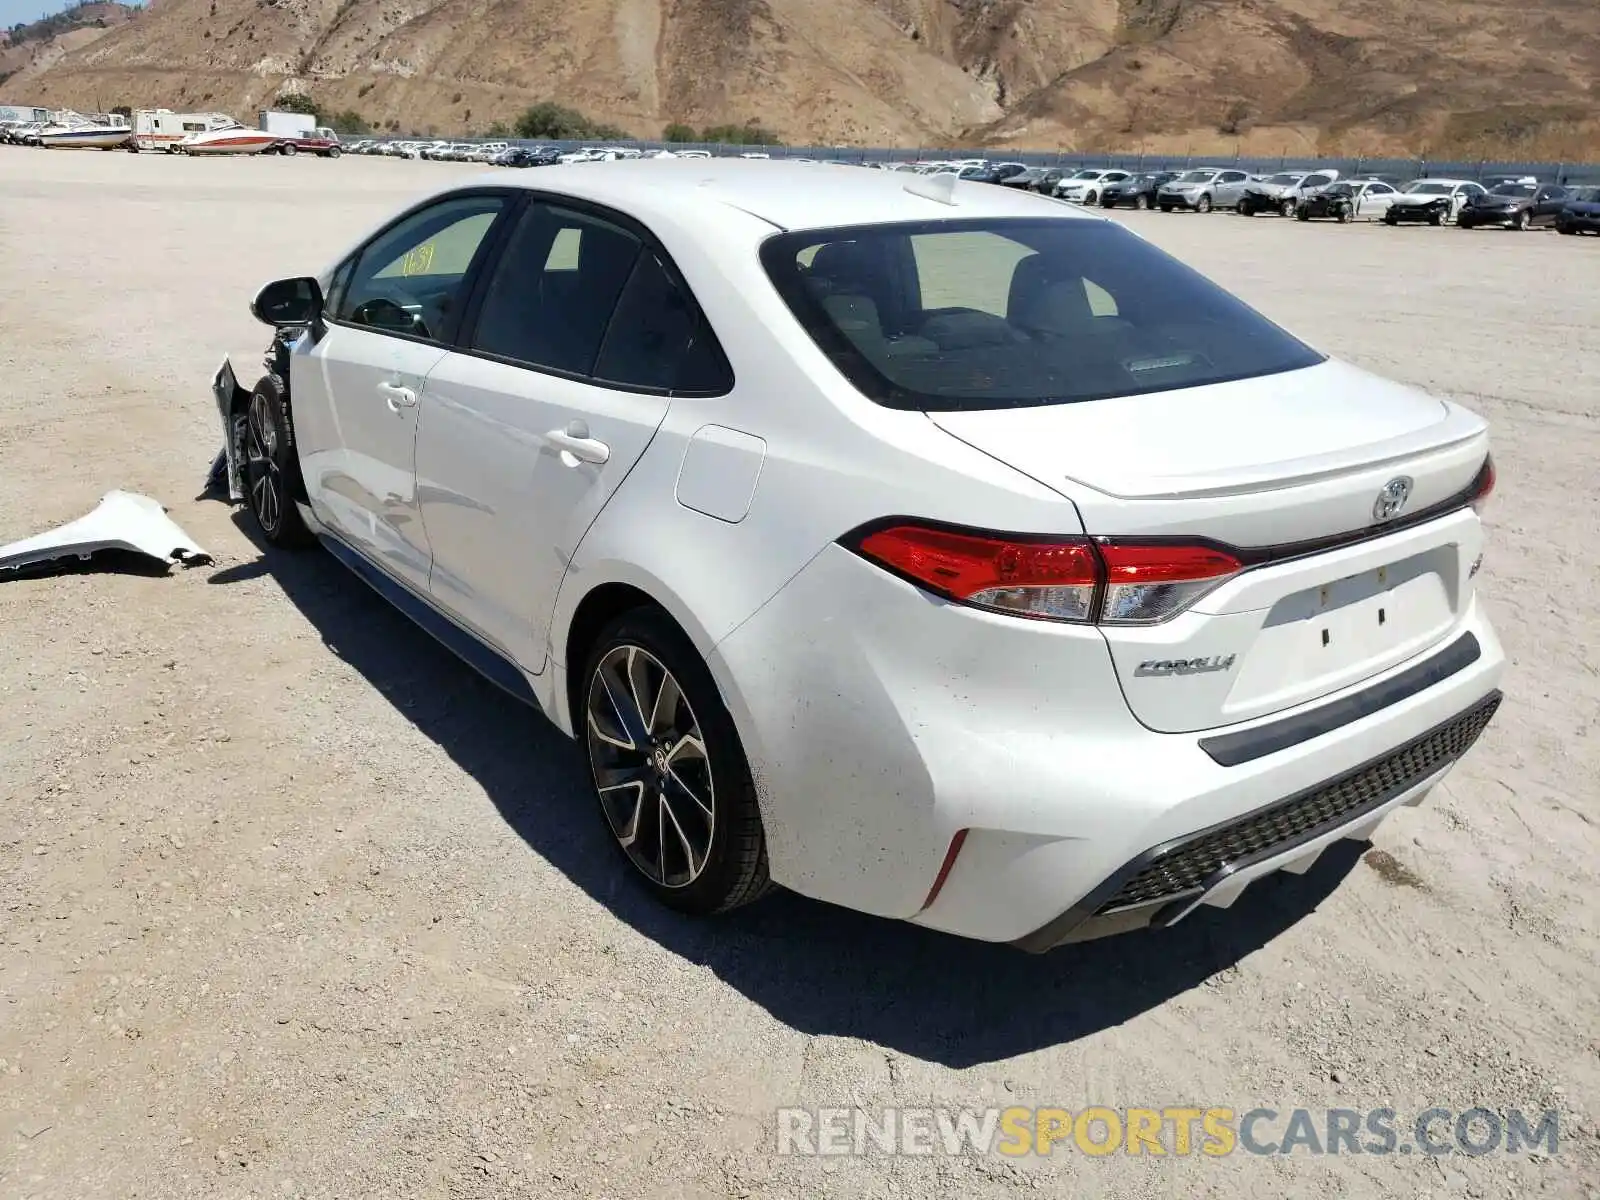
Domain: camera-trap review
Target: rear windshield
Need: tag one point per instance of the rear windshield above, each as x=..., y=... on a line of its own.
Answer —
x=1005, y=313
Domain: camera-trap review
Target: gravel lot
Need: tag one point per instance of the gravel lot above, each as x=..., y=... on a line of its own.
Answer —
x=292, y=904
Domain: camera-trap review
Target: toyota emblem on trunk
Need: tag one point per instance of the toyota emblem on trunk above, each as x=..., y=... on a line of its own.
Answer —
x=1392, y=499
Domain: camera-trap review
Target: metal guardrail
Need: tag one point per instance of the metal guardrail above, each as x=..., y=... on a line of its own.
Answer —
x=1395, y=168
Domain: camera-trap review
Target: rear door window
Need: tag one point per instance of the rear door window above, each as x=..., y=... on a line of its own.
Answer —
x=554, y=290
x=993, y=313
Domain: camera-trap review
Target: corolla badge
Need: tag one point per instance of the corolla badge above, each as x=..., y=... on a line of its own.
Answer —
x=1185, y=666
x=1392, y=498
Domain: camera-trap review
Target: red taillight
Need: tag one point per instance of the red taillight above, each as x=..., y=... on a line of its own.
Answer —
x=1055, y=580
x=1483, y=485
x=1060, y=579
x=1148, y=582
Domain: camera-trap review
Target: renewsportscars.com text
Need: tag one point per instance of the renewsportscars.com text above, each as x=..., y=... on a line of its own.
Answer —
x=1177, y=1131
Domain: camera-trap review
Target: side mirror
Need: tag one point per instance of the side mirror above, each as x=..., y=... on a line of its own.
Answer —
x=288, y=302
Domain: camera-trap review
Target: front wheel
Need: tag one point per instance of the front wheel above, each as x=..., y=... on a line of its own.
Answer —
x=272, y=466
x=1287, y=208
x=1436, y=219
x=1142, y=203
x=1521, y=221
x=668, y=768
x=1203, y=205
x=1091, y=198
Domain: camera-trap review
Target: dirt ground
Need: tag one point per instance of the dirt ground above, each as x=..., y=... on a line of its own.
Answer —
x=291, y=904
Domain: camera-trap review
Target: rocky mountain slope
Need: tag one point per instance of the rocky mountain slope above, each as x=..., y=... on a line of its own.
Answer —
x=1270, y=76
x=40, y=44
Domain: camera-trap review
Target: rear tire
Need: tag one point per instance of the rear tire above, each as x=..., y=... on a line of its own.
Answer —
x=272, y=466
x=670, y=775
x=288, y=150
x=1302, y=214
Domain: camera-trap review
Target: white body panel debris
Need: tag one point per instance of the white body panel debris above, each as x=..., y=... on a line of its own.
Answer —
x=122, y=521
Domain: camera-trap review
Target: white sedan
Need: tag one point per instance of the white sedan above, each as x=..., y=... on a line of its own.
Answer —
x=918, y=545
x=1372, y=198
x=1084, y=187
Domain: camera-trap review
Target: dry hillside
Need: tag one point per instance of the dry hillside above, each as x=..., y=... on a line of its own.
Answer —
x=39, y=44
x=1475, y=76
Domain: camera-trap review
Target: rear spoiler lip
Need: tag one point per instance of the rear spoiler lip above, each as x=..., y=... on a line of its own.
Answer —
x=1257, y=556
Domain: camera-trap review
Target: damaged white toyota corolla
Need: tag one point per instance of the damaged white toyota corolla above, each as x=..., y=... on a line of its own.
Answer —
x=924, y=547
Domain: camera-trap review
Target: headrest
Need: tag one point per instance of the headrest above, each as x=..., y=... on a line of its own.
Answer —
x=1040, y=302
x=841, y=263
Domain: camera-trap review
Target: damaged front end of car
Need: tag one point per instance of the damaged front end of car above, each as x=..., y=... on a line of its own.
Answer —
x=227, y=471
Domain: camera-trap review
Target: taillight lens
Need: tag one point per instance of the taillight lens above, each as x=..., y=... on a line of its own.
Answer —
x=1149, y=582
x=1053, y=580
x=1082, y=580
x=1483, y=485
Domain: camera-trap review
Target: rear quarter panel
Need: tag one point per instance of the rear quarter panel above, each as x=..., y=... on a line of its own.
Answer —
x=832, y=461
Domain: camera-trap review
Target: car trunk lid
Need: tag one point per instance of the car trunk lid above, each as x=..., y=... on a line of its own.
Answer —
x=1286, y=469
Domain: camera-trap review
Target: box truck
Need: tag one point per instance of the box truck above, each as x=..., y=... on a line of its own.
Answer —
x=298, y=132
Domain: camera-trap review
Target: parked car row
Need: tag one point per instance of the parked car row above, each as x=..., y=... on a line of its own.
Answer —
x=21, y=133
x=1308, y=195
x=503, y=154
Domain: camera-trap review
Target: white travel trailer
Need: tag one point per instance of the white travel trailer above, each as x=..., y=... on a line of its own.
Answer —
x=163, y=129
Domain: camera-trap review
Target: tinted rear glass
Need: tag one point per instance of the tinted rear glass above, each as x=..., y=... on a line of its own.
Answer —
x=995, y=313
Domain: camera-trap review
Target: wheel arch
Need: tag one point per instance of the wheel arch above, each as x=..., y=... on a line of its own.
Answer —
x=581, y=614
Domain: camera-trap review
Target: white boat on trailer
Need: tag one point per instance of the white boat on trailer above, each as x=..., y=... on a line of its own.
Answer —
x=69, y=130
x=224, y=135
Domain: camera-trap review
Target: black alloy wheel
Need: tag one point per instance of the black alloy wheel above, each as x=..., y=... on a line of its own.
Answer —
x=271, y=467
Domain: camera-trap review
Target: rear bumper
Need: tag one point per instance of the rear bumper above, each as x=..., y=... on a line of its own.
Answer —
x=1213, y=866
x=884, y=726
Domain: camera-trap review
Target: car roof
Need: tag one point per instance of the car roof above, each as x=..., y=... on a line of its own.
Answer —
x=788, y=195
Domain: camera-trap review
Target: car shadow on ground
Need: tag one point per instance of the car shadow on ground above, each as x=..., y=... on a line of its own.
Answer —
x=818, y=968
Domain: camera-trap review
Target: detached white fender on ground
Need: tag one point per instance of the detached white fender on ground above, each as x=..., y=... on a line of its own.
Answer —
x=122, y=521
